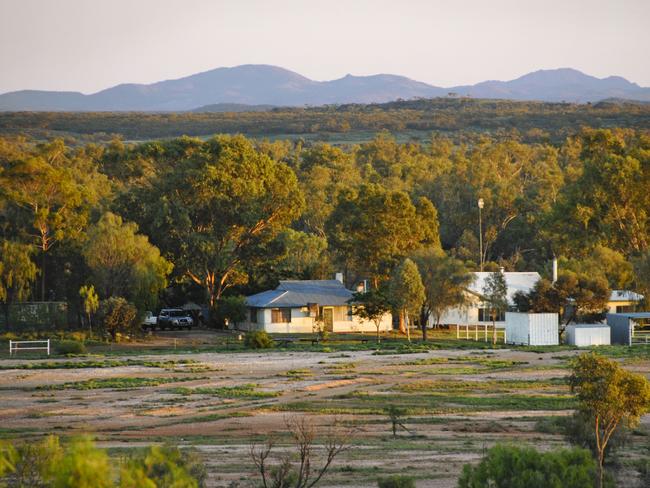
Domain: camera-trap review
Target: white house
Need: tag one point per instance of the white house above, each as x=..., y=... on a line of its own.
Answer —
x=304, y=306
x=476, y=312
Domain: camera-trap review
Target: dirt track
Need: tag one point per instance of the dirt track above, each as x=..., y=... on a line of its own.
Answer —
x=455, y=408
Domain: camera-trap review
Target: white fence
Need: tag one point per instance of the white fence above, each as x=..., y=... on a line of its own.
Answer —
x=15, y=346
x=641, y=336
x=484, y=332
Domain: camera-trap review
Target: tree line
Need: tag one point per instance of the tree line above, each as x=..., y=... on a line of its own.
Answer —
x=163, y=222
x=456, y=117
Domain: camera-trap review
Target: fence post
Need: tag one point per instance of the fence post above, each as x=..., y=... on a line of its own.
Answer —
x=48, y=347
x=10, y=348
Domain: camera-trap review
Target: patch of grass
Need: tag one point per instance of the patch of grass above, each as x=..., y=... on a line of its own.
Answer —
x=297, y=373
x=100, y=364
x=248, y=391
x=213, y=417
x=122, y=383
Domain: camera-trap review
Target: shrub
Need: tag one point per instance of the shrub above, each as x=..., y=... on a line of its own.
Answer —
x=163, y=466
x=258, y=339
x=396, y=482
x=231, y=309
x=517, y=466
x=117, y=316
x=70, y=347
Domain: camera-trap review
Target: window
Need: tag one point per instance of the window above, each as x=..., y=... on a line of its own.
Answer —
x=484, y=315
x=281, y=315
x=253, y=312
x=624, y=308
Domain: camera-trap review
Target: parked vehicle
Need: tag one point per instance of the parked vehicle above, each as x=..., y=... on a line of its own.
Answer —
x=150, y=321
x=174, y=318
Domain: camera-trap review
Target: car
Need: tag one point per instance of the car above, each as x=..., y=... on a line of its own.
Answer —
x=174, y=318
x=150, y=321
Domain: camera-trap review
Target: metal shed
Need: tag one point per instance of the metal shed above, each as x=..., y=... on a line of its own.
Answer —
x=630, y=328
x=584, y=335
x=532, y=329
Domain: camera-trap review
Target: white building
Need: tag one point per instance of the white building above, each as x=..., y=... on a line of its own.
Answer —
x=476, y=312
x=585, y=335
x=532, y=329
x=304, y=306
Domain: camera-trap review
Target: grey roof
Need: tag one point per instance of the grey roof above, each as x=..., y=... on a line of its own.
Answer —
x=299, y=293
x=633, y=315
x=588, y=326
x=625, y=296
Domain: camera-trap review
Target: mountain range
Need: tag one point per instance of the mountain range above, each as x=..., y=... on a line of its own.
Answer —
x=233, y=89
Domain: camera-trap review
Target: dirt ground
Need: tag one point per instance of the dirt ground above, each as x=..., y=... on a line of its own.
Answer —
x=455, y=404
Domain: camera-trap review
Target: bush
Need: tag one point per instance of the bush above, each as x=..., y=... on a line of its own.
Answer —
x=258, y=339
x=164, y=466
x=70, y=347
x=117, y=316
x=231, y=309
x=517, y=466
x=396, y=482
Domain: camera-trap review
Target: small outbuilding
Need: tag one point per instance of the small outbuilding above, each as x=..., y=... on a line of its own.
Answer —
x=532, y=329
x=585, y=335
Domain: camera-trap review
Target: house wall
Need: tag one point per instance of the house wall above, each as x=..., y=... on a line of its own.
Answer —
x=611, y=306
x=302, y=323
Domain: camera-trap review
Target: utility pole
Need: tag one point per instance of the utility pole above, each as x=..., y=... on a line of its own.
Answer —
x=480, y=233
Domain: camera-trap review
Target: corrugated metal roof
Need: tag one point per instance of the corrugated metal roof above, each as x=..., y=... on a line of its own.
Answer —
x=515, y=281
x=298, y=293
x=625, y=296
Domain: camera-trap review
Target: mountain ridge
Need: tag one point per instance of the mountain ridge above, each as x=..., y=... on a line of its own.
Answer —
x=268, y=85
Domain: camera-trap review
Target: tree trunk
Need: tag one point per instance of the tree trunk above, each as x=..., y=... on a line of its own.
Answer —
x=601, y=471
x=424, y=318
x=402, y=327
x=378, y=324
x=408, y=327
x=43, y=277
x=6, y=311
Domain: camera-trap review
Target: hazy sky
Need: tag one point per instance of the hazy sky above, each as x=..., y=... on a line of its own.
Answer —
x=88, y=45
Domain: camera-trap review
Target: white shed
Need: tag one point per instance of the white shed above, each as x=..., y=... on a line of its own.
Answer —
x=532, y=329
x=584, y=335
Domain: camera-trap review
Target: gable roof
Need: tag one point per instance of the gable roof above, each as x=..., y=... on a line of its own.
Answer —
x=298, y=293
x=515, y=281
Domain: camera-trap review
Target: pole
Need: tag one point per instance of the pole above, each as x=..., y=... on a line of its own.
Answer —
x=480, y=232
x=480, y=238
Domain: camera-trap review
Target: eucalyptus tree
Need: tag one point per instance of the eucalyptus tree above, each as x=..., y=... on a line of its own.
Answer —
x=214, y=209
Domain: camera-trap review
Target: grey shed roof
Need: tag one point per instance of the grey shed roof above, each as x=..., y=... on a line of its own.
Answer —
x=299, y=293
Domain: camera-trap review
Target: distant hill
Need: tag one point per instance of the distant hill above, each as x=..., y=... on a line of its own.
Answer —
x=270, y=85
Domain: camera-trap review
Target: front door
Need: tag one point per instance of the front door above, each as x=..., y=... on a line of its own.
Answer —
x=328, y=318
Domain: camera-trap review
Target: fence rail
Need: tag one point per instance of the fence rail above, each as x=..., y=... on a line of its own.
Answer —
x=15, y=346
x=485, y=332
x=641, y=336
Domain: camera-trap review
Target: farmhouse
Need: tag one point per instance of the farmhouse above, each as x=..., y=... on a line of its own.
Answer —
x=476, y=312
x=307, y=306
x=623, y=301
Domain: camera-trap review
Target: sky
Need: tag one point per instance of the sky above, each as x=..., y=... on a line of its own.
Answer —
x=89, y=45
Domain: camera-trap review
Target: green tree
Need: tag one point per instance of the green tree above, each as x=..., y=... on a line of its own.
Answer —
x=83, y=466
x=406, y=293
x=445, y=280
x=495, y=297
x=608, y=395
x=50, y=191
x=117, y=316
x=90, y=304
x=124, y=263
x=17, y=273
x=373, y=229
x=162, y=467
x=371, y=305
x=215, y=207
x=518, y=467
x=642, y=275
